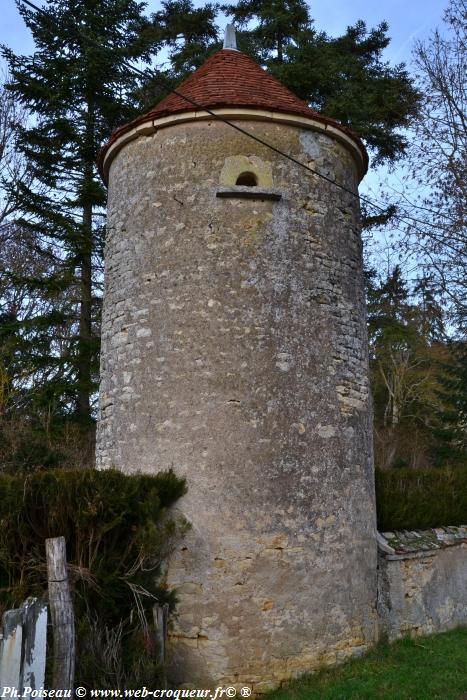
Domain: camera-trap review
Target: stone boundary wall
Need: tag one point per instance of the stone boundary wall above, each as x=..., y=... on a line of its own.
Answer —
x=422, y=581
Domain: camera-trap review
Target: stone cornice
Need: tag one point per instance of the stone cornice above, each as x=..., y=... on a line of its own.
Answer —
x=353, y=145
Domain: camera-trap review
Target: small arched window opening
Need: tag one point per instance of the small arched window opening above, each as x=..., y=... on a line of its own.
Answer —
x=247, y=180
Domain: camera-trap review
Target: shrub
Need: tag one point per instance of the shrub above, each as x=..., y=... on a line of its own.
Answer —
x=118, y=531
x=34, y=442
x=409, y=499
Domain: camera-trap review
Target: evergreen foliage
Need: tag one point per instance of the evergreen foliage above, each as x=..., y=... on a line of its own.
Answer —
x=77, y=89
x=189, y=32
x=344, y=77
x=36, y=428
x=417, y=376
x=450, y=428
x=411, y=499
x=118, y=531
x=190, y=35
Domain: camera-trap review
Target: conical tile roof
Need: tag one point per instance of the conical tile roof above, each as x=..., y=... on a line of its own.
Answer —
x=229, y=78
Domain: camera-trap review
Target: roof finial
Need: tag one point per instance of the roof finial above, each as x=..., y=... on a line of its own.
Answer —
x=230, y=40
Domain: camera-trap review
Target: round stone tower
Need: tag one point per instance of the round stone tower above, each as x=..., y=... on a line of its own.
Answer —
x=234, y=350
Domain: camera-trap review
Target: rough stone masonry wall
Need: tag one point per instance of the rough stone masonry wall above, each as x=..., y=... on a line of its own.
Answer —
x=422, y=582
x=234, y=350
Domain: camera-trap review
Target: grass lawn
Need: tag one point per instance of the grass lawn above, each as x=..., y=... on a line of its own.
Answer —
x=424, y=668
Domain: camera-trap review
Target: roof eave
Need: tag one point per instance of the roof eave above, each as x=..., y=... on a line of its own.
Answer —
x=150, y=123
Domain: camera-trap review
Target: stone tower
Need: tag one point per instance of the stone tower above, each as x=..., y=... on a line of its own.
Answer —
x=235, y=352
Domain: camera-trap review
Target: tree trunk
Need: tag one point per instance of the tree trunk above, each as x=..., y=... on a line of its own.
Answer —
x=85, y=346
x=280, y=54
x=85, y=319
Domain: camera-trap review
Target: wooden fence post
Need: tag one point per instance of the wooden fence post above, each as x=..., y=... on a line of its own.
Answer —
x=61, y=612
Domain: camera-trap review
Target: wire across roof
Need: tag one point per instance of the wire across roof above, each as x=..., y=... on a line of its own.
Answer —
x=229, y=78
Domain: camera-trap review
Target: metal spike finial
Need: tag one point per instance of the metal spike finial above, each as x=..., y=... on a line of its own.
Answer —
x=230, y=40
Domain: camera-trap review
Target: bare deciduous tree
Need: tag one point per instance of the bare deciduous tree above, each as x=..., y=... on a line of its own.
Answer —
x=13, y=168
x=433, y=196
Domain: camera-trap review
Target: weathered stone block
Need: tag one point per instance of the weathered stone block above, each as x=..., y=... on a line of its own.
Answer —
x=422, y=592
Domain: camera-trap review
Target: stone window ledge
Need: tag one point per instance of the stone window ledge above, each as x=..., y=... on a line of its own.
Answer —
x=245, y=192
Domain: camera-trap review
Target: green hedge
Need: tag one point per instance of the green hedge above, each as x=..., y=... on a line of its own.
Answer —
x=118, y=530
x=409, y=499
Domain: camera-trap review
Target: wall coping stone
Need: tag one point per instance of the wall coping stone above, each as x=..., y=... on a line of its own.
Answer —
x=409, y=544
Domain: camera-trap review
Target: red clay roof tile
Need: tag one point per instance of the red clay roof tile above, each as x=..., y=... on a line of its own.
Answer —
x=229, y=78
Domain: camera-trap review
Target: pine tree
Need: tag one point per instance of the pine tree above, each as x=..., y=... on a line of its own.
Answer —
x=190, y=35
x=279, y=24
x=77, y=87
x=34, y=387
x=189, y=32
x=344, y=77
x=418, y=378
x=450, y=426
